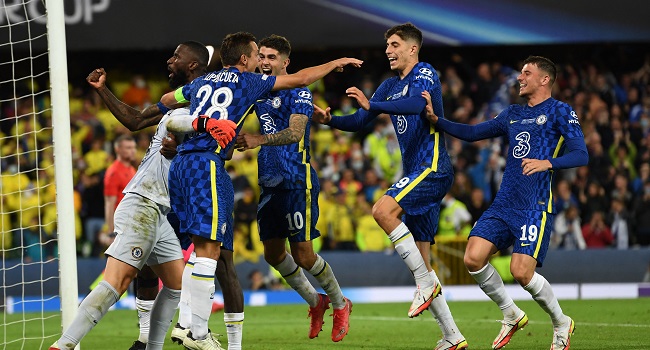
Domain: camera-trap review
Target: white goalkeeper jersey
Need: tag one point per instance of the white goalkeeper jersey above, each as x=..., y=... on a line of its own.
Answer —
x=150, y=180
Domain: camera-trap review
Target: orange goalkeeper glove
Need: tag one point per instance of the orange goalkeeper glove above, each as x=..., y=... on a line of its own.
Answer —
x=222, y=130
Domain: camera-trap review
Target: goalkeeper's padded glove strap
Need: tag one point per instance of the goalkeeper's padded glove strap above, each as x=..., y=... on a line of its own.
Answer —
x=201, y=123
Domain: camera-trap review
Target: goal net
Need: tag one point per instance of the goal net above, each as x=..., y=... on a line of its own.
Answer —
x=37, y=229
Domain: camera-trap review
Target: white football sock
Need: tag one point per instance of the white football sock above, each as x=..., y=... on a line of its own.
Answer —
x=91, y=310
x=184, y=308
x=408, y=251
x=492, y=285
x=234, y=328
x=144, y=318
x=293, y=274
x=440, y=311
x=162, y=315
x=202, y=290
x=325, y=277
x=543, y=294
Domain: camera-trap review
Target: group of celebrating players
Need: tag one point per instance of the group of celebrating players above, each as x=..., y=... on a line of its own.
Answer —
x=191, y=182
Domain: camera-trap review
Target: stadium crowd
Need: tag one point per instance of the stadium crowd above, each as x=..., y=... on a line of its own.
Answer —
x=603, y=205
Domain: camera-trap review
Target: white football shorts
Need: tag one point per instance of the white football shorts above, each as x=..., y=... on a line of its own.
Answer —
x=144, y=236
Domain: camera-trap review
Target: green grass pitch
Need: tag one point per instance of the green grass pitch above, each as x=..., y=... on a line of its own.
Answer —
x=600, y=324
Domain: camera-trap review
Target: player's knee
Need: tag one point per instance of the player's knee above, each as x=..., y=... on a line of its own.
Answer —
x=472, y=263
x=379, y=213
x=146, y=286
x=272, y=259
x=305, y=260
x=521, y=274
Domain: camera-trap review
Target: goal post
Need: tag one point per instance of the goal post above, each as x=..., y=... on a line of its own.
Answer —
x=62, y=160
x=38, y=220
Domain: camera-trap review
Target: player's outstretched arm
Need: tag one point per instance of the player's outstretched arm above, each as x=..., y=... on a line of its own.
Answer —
x=321, y=116
x=309, y=75
x=464, y=132
x=130, y=117
x=355, y=93
x=292, y=134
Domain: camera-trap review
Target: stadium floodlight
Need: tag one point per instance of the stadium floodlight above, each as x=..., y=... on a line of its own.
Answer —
x=37, y=215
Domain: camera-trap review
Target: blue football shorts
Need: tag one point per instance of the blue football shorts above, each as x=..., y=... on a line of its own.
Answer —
x=202, y=195
x=419, y=194
x=528, y=231
x=288, y=213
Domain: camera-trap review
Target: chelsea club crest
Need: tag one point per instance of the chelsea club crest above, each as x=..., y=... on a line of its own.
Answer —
x=541, y=119
x=276, y=102
x=136, y=252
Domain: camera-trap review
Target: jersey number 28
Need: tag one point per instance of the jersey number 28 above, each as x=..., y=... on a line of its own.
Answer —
x=206, y=94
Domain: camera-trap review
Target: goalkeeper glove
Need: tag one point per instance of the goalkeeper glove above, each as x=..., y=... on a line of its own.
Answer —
x=222, y=130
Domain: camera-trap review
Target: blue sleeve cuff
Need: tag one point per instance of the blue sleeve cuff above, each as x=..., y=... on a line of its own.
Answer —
x=163, y=108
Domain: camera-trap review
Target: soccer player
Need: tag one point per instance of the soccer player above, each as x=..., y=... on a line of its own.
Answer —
x=143, y=233
x=428, y=173
x=288, y=206
x=116, y=179
x=200, y=188
x=544, y=136
x=185, y=65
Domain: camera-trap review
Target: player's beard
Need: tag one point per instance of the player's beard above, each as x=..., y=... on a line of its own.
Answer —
x=178, y=79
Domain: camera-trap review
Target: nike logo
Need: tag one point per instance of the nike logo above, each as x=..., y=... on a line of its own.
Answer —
x=525, y=244
x=513, y=121
x=294, y=233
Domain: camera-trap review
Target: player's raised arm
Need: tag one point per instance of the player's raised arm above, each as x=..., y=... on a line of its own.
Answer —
x=130, y=117
x=309, y=75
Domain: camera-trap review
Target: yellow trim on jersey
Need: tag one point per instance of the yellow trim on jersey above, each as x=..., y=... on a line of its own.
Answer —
x=248, y=112
x=436, y=152
x=541, y=235
x=307, y=213
x=426, y=172
x=178, y=95
x=550, y=182
x=413, y=183
x=215, y=201
x=235, y=322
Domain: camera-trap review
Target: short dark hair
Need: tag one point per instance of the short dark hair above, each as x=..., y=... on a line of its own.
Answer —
x=122, y=138
x=200, y=52
x=234, y=45
x=406, y=31
x=544, y=64
x=277, y=42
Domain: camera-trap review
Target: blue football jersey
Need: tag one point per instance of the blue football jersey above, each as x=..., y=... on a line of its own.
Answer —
x=285, y=166
x=225, y=94
x=537, y=132
x=421, y=144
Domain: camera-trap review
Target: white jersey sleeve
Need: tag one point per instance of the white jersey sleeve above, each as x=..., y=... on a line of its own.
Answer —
x=150, y=180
